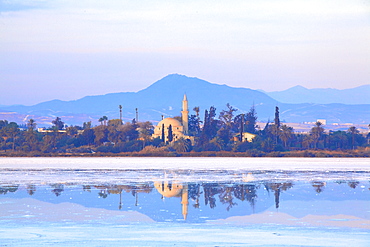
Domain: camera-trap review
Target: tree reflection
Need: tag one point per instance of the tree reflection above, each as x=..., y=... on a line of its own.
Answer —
x=277, y=188
x=31, y=188
x=319, y=186
x=10, y=188
x=353, y=184
x=194, y=193
x=246, y=192
x=58, y=189
x=134, y=189
x=226, y=197
x=227, y=194
x=210, y=190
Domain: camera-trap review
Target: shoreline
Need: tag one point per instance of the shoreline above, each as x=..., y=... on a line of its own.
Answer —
x=357, y=153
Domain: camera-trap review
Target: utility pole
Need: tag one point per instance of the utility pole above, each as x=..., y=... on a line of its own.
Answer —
x=137, y=115
x=241, y=128
x=120, y=112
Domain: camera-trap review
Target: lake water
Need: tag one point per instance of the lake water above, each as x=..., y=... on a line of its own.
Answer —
x=184, y=201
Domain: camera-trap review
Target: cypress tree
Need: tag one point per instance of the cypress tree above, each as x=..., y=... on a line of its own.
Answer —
x=163, y=140
x=170, y=135
x=277, y=118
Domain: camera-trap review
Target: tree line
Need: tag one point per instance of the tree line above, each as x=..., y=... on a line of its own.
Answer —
x=224, y=132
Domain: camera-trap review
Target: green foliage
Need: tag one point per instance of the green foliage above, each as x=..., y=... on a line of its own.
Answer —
x=217, y=137
x=58, y=124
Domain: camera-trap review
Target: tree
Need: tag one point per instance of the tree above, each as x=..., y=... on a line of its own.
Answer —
x=194, y=126
x=101, y=134
x=103, y=119
x=226, y=121
x=72, y=131
x=276, y=127
x=251, y=121
x=86, y=125
x=163, y=134
x=353, y=131
x=226, y=116
x=31, y=125
x=170, y=134
x=11, y=131
x=58, y=124
x=286, y=134
x=338, y=140
x=277, y=118
x=182, y=145
x=87, y=137
x=317, y=133
x=209, y=130
x=196, y=109
x=4, y=123
x=31, y=140
x=194, y=122
x=145, y=131
x=115, y=122
x=129, y=131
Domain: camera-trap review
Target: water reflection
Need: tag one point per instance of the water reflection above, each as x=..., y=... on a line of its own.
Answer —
x=168, y=198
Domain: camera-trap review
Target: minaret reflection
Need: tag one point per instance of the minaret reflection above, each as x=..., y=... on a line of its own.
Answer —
x=174, y=189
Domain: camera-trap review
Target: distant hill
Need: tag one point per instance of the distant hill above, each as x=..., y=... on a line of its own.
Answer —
x=164, y=98
x=299, y=94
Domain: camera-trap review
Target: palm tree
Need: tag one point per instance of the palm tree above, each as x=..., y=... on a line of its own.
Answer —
x=105, y=119
x=12, y=131
x=58, y=123
x=101, y=121
x=196, y=109
x=182, y=145
x=353, y=131
x=31, y=124
x=285, y=134
x=316, y=133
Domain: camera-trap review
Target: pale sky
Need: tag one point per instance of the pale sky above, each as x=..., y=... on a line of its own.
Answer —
x=66, y=49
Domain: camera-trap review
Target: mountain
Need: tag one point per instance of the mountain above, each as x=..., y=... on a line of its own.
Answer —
x=164, y=98
x=299, y=94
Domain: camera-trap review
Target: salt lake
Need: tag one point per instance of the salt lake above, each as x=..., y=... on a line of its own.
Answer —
x=185, y=201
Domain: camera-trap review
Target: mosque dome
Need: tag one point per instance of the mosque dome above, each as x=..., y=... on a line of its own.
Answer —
x=169, y=121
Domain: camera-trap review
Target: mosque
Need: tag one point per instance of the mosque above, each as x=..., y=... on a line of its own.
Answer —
x=179, y=129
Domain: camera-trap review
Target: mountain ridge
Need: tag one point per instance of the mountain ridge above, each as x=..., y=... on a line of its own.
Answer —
x=299, y=94
x=164, y=97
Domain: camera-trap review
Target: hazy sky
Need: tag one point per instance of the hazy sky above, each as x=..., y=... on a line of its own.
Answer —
x=67, y=49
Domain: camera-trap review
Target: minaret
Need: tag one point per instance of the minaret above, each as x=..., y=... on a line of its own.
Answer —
x=185, y=115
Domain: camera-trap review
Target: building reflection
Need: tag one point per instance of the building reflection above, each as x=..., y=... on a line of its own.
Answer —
x=175, y=189
x=199, y=195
